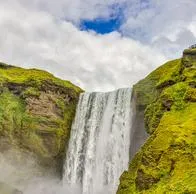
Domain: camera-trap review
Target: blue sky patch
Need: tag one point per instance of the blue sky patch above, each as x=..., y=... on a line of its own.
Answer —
x=101, y=26
x=105, y=25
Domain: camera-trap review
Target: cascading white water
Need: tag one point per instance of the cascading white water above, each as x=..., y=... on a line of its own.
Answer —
x=98, y=150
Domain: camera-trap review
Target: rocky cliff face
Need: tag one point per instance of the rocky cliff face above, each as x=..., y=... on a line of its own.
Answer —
x=139, y=134
x=167, y=161
x=36, y=112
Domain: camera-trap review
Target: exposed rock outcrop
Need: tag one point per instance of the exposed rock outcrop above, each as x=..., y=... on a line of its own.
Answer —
x=139, y=134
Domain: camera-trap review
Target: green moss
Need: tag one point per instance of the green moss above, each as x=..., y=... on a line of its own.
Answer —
x=36, y=113
x=31, y=92
x=33, y=77
x=16, y=124
x=169, y=156
x=190, y=94
x=146, y=90
x=171, y=75
x=167, y=161
x=63, y=133
x=190, y=51
x=190, y=74
x=175, y=94
x=11, y=113
x=189, y=58
x=174, y=144
x=153, y=114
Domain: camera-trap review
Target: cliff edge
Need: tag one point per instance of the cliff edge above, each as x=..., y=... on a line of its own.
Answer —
x=167, y=161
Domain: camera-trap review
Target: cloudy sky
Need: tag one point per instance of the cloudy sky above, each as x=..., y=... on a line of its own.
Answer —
x=99, y=45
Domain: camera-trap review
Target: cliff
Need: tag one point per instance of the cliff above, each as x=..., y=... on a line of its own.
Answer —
x=167, y=161
x=36, y=112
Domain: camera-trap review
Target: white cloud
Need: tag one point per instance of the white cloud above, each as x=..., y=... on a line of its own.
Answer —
x=41, y=33
x=74, y=10
x=95, y=62
x=165, y=23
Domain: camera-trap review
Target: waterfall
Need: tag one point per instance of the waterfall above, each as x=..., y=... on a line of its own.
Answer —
x=98, y=150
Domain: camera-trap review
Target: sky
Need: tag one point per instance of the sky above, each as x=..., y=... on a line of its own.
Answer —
x=99, y=45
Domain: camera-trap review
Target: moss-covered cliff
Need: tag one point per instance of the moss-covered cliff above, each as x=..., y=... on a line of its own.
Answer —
x=167, y=161
x=36, y=112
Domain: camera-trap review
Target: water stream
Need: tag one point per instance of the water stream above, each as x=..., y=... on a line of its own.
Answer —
x=99, y=145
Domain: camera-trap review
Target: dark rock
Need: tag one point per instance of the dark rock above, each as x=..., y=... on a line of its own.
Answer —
x=139, y=134
x=144, y=181
x=15, y=88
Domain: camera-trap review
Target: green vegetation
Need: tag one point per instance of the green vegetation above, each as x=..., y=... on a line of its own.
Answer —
x=36, y=112
x=33, y=77
x=167, y=161
x=147, y=90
